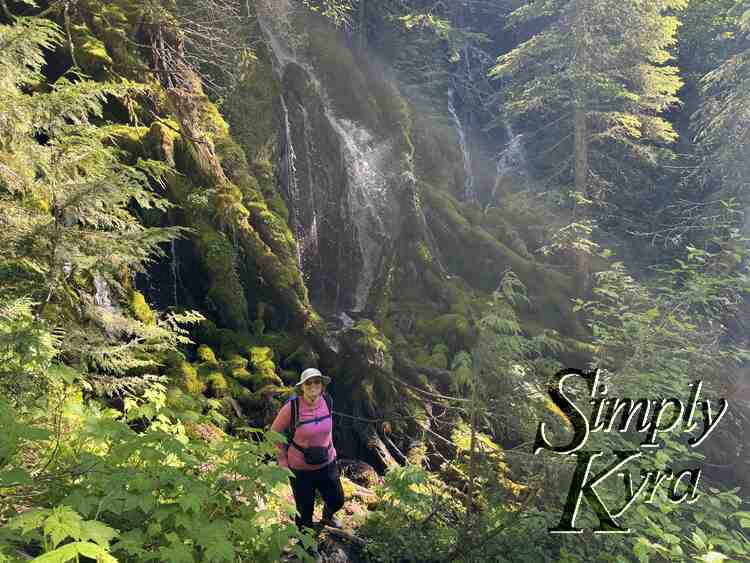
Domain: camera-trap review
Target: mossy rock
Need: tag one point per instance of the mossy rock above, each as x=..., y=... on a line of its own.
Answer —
x=160, y=141
x=217, y=385
x=180, y=401
x=261, y=360
x=187, y=378
x=132, y=140
x=228, y=342
x=422, y=358
x=370, y=336
x=451, y=329
x=249, y=401
x=90, y=52
x=271, y=390
x=141, y=309
x=258, y=381
x=235, y=361
x=424, y=254
x=206, y=354
x=225, y=293
x=242, y=376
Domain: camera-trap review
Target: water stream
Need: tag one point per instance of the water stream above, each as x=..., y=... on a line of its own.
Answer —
x=469, y=191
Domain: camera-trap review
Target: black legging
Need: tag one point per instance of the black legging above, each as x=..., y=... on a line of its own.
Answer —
x=305, y=483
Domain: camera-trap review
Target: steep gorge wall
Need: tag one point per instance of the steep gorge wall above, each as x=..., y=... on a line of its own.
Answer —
x=316, y=184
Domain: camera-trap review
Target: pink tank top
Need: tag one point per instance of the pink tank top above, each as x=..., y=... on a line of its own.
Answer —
x=318, y=433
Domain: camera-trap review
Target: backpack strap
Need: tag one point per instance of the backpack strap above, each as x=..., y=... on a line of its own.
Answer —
x=295, y=415
x=295, y=419
x=329, y=404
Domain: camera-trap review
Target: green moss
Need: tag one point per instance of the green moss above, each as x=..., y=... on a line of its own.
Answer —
x=424, y=255
x=440, y=356
x=179, y=401
x=259, y=325
x=249, y=401
x=422, y=358
x=225, y=292
x=186, y=377
x=446, y=206
x=205, y=354
x=132, y=140
x=141, y=309
x=217, y=385
x=370, y=336
x=90, y=52
x=249, y=109
x=160, y=141
x=261, y=360
x=450, y=329
x=235, y=361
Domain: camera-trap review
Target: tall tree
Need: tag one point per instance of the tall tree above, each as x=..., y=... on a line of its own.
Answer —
x=722, y=120
x=589, y=86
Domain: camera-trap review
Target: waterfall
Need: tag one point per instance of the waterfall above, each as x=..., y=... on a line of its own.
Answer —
x=469, y=192
x=336, y=174
x=511, y=161
x=289, y=175
x=101, y=297
x=309, y=240
x=368, y=199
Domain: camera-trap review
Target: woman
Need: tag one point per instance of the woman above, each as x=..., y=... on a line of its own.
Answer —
x=310, y=454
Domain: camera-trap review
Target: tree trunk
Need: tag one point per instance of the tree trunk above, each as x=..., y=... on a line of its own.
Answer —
x=580, y=135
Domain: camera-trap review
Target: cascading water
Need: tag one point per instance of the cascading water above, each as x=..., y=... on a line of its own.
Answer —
x=335, y=175
x=289, y=177
x=511, y=162
x=368, y=197
x=101, y=297
x=469, y=191
x=309, y=240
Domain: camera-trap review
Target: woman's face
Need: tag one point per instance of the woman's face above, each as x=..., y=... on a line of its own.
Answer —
x=312, y=389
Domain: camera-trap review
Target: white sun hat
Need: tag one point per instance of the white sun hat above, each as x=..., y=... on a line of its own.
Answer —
x=312, y=372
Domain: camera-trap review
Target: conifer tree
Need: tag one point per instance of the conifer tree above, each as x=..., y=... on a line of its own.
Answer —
x=722, y=120
x=589, y=89
x=70, y=238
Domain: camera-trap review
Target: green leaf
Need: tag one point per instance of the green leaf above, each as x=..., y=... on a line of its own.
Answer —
x=190, y=501
x=64, y=522
x=15, y=477
x=95, y=552
x=65, y=553
x=29, y=520
x=713, y=557
x=99, y=533
x=220, y=550
x=176, y=553
x=131, y=542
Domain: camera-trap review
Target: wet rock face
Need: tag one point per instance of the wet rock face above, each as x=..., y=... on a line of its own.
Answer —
x=314, y=177
x=340, y=188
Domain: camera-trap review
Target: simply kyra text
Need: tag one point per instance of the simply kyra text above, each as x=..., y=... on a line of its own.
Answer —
x=649, y=416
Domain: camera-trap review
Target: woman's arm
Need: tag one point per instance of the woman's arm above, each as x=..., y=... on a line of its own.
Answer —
x=280, y=424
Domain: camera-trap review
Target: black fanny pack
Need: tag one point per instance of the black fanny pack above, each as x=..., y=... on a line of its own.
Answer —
x=314, y=455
